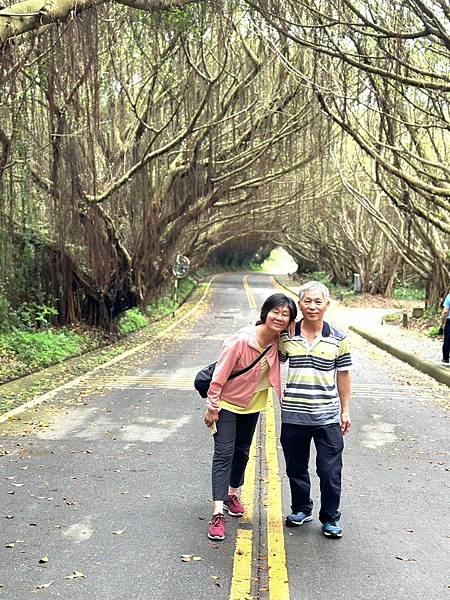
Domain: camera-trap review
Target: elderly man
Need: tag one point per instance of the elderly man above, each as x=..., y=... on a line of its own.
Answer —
x=445, y=329
x=315, y=406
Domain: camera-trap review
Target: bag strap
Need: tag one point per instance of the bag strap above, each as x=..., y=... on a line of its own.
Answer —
x=297, y=328
x=242, y=371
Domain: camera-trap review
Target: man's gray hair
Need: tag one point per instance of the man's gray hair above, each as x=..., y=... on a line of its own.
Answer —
x=314, y=285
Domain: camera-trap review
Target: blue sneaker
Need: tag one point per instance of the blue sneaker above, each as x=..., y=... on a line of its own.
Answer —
x=298, y=519
x=332, y=529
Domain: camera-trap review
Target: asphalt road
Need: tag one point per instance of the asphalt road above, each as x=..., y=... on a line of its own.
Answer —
x=109, y=485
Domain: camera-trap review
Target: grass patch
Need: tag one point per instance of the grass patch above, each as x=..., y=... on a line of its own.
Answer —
x=22, y=352
x=433, y=332
x=132, y=320
x=408, y=292
x=25, y=352
x=165, y=305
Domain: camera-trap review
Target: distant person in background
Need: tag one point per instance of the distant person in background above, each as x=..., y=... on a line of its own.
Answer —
x=234, y=405
x=445, y=329
x=315, y=406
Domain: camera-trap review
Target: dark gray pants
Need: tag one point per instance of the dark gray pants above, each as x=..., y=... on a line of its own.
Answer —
x=231, y=450
x=296, y=443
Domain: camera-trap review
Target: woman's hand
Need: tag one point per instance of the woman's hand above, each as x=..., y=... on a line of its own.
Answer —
x=210, y=417
x=291, y=329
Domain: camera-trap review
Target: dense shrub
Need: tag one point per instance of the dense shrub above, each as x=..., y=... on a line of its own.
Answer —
x=131, y=320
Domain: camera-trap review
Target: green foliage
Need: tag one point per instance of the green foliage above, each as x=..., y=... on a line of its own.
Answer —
x=37, y=350
x=393, y=318
x=5, y=311
x=26, y=351
x=348, y=294
x=433, y=332
x=254, y=266
x=409, y=291
x=132, y=320
x=164, y=305
x=36, y=316
x=320, y=276
x=201, y=273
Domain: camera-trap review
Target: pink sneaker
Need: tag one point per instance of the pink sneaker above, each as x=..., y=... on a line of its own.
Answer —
x=234, y=507
x=216, y=530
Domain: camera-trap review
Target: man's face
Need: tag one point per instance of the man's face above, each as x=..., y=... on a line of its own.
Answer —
x=313, y=306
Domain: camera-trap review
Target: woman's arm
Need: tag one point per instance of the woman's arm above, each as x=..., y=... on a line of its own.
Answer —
x=226, y=363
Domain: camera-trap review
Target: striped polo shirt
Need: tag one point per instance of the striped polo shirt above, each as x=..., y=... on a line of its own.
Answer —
x=311, y=396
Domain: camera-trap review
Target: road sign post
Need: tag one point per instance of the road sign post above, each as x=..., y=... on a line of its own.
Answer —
x=180, y=269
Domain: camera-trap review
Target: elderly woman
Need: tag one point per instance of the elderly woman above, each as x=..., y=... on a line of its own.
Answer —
x=234, y=405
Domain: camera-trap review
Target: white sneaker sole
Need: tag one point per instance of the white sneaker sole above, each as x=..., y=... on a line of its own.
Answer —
x=332, y=535
x=216, y=537
x=232, y=514
x=298, y=523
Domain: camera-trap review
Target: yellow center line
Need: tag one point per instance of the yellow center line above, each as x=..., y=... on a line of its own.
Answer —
x=248, y=291
x=276, y=554
x=241, y=581
x=287, y=291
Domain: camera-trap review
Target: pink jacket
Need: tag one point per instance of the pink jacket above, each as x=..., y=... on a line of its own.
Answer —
x=239, y=351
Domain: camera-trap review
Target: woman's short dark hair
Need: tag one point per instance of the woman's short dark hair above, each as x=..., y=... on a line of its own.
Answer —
x=276, y=300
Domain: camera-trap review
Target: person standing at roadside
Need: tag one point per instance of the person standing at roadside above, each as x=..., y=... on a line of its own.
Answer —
x=445, y=330
x=234, y=405
x=315, y=406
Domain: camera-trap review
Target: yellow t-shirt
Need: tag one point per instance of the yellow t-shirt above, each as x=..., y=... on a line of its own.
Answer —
x=259, y=399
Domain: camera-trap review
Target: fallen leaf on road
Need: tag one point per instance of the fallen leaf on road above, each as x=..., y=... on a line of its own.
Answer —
x=239, y=551
x=75, y=575
x=11, y=545
x=190, y=558
x=44, y=585
x=118, y=532
x=405, y=558
x=10, y=516
x=44, y=559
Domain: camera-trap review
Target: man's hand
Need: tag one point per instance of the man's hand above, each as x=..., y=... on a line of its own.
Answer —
x=210, y=417
x=346, y=423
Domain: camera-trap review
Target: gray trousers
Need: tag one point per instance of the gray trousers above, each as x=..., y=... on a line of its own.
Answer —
x=231, y=450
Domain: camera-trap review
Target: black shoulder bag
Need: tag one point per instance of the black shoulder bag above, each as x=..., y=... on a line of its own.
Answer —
x=203, y=378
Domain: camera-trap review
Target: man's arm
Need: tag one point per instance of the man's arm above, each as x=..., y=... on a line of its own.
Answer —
x=282, y=353
x=444, y=315
x=344, y=380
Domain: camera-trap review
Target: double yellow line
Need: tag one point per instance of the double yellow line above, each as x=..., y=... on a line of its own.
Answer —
x=241, y=583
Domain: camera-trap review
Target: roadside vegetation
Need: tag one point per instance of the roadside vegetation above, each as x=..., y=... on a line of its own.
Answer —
x=405, y=297
x=29, y=340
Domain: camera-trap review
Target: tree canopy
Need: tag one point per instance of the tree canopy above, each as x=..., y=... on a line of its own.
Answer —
x=134, y=131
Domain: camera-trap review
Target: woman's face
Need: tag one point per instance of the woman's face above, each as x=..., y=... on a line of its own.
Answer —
x=278, y=318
